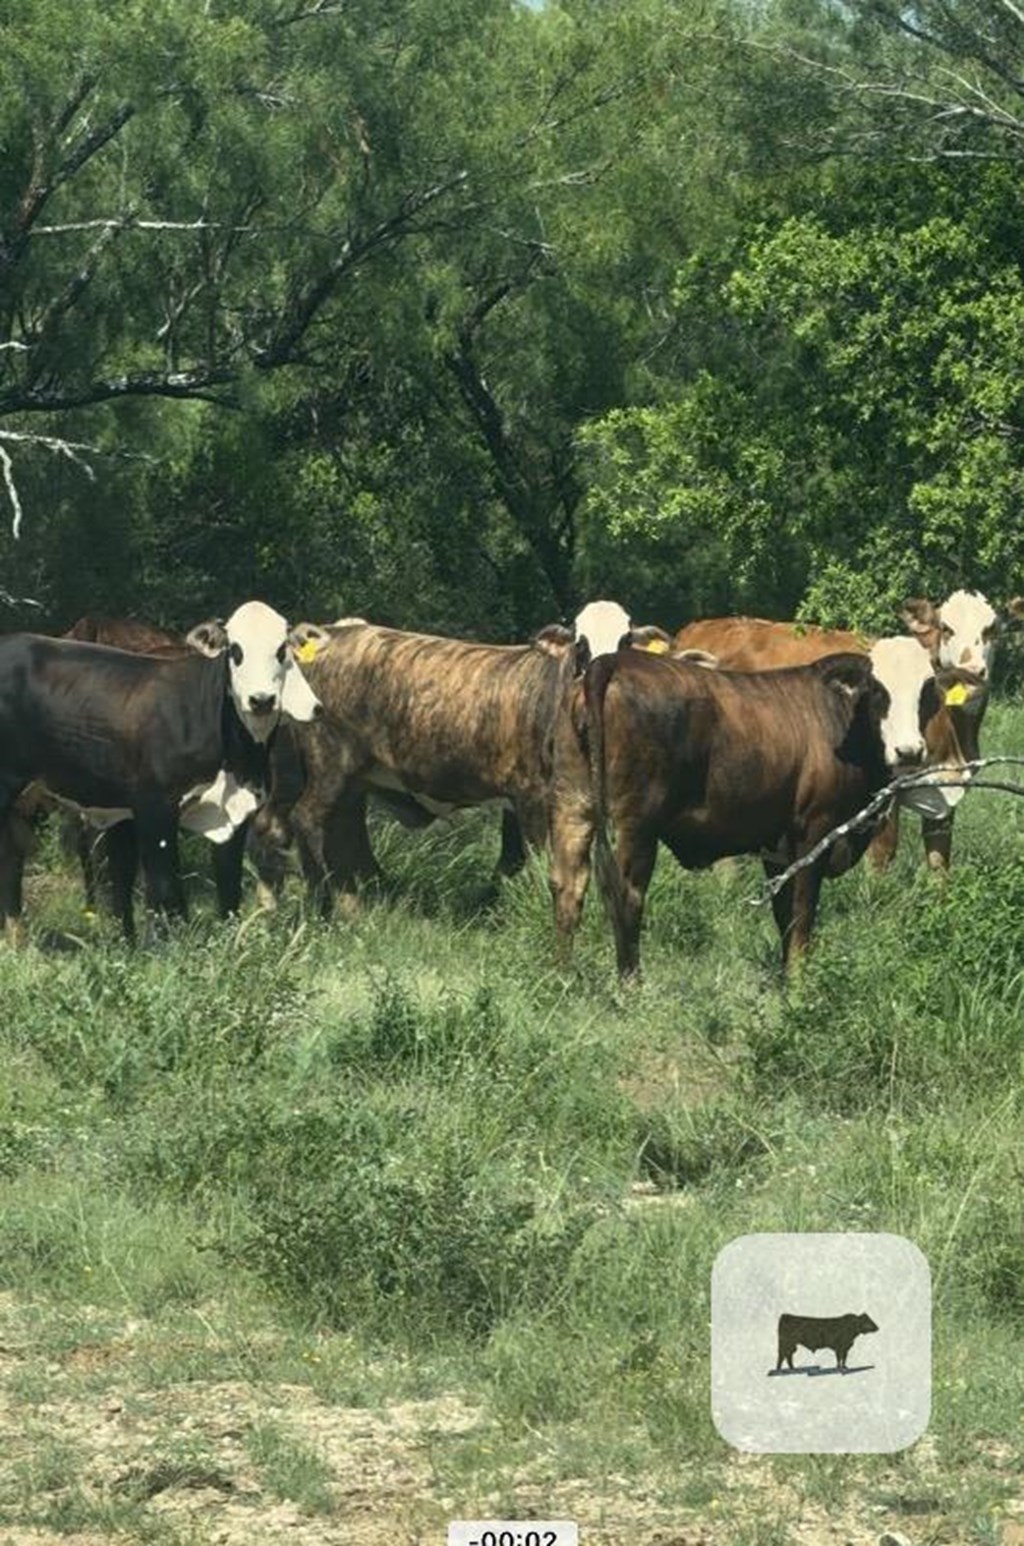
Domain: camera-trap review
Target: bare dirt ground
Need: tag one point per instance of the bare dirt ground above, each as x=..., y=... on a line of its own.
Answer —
x=91, y=1451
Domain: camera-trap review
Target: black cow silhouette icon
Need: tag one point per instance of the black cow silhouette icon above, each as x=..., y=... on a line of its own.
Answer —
x=814, y=1331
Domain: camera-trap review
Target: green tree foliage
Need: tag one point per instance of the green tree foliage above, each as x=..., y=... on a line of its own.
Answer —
x=452, y=313
x=859, y=437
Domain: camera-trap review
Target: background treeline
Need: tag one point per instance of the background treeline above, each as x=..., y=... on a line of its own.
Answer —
x=449, y=312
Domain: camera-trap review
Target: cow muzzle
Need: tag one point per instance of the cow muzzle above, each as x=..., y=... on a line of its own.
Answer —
x=908, y=759
x=262, y=703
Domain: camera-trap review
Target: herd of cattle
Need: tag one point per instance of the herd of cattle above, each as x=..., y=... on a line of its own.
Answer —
x=737, y=736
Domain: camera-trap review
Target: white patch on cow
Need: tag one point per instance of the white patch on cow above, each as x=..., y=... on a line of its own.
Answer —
x=384, y=778
x=963, y=621
x=214, y=810
x=929, y=800
x=903, y=668
x=604, y=625
x=98, y=817
x=217, y=810
x=265, y=680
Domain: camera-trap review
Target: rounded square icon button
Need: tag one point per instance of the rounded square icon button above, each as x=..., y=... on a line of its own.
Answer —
x=821, y=1343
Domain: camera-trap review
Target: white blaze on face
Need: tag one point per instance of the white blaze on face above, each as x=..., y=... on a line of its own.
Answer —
x=265, y=681
x=904, y=669
x=603, y=624
x=967, y=632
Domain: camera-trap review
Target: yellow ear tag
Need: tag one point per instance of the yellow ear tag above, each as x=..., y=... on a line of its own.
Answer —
x=657, y=647
x=306, y=652
x=956, y=695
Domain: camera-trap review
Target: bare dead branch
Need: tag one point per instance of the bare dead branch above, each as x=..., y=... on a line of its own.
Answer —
x=12, y=489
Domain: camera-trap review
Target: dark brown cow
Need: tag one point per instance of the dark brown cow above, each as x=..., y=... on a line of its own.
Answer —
x=144, y=743
x=128, y=633
x=94, y=848
x=712, y=764
x=141, y=742
x=436, y=724
x=950, y=734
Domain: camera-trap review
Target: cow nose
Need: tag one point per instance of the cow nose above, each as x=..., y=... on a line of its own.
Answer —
x=909, y=756
x=318, y=711
x=262, y=702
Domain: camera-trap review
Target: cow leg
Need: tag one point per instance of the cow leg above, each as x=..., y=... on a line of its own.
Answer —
x=882, y=847
x=938, y=843
x=349, y=861
x=13, y=850
x=806, y=890
x=309, y=818
x=158, y=850
x=795, y=907
x=572, y=836
x=513, y=844
x=78, y=840
x=228, y=859
x=121, y=852
x=268, y=838
x=635, y=855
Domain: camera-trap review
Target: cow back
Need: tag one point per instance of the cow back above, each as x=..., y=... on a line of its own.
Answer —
x=456, y=720
x=758, y=644
x=127, y=633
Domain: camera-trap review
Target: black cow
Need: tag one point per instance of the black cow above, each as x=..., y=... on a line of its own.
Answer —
x=813, y=1331
x=120, y=735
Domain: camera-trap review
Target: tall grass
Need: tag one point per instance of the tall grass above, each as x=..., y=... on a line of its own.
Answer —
x=411, y=1128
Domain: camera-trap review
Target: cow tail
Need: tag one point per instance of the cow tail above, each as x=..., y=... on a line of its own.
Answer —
x=606, y=869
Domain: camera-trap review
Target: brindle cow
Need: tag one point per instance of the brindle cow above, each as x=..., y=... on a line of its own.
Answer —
x=435, y=724
x=712, y=764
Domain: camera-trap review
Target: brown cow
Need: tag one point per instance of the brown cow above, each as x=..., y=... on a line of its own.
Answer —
x=713, y=764
x=436, y=724
x=962, y=633
x=757, y=644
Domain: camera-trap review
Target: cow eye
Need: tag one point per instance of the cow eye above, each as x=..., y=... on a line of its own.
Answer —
x=945, y=630
x=280, y=653
x=236, y=654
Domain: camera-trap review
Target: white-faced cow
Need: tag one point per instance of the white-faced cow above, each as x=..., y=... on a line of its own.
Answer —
x=140, y=743
x=92, y=843
x=962, y=632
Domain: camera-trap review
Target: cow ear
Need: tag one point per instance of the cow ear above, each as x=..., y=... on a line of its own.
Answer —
x=697, y=658
x=846, y=674
x=209, y=638
x=651, y=638
x=307, y=640
x=919, y=615
x=1013, y=613
x=553, y=639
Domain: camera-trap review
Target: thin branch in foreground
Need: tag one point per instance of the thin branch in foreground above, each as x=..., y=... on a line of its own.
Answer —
x=928, y=778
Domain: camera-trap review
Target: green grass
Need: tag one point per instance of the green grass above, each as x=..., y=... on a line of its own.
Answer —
x=402, y=1157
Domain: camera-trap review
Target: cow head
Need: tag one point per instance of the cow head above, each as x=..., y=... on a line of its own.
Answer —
x=603, y=627
x=962, y=632
x=908, y=677
x=600, y=629
x=263, y=678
